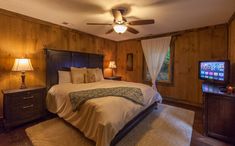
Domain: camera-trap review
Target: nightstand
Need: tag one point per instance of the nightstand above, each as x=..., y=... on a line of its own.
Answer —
x=23, y=105
x=113, y=78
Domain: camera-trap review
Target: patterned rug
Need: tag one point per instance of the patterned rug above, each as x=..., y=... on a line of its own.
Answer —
x=166, y=126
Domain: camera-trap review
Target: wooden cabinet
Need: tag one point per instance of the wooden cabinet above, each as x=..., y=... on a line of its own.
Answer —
x=119, y=78
x=219, y=113
x=23, y=105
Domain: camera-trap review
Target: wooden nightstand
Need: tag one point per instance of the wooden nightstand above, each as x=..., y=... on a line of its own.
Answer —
x=23, y=105
x=119, y=78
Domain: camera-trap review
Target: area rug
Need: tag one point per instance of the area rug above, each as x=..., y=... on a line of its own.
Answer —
x=165, y=126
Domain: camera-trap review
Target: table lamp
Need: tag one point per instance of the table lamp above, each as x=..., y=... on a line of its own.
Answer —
x=22, y=65
x=112, y=65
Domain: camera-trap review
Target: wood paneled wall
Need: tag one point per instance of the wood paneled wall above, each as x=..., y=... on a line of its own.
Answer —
x=190, y=46
x=123, y=48
x=21, y=36
x=231, y=52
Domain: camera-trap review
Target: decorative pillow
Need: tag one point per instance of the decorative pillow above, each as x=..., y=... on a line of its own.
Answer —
x=78, y=75
x=64, y=76
x=90, y=77
x=97, y=72
x=99, y=75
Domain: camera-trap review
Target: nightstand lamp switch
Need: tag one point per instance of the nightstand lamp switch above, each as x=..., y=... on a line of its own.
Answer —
x=112, y=65
x=22, y=65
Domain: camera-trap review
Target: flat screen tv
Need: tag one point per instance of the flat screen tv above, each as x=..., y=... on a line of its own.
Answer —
x=214, y=71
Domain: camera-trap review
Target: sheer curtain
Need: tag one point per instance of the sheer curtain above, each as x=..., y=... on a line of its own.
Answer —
x=155, y=51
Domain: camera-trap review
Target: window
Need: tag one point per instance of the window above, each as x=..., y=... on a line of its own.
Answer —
x=166, y=74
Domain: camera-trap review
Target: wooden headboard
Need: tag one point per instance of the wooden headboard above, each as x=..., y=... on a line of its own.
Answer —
x=59, y=60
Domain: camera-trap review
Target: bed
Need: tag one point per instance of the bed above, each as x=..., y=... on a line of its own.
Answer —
x=104, y=120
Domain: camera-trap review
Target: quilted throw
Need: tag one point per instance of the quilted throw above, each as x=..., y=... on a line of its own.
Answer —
x=79, y=97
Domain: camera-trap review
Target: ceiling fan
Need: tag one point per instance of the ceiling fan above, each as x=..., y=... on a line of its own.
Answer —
x=120, y=23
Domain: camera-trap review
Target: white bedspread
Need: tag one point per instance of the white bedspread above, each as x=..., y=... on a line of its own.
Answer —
x=99, y=119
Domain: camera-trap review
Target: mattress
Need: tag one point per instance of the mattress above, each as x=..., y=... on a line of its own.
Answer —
x=100, y=119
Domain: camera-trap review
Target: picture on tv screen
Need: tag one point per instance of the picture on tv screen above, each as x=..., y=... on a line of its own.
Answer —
x=212, y=71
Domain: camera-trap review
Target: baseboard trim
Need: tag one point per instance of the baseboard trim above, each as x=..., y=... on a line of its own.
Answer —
x=1, y=125
x=171, y=99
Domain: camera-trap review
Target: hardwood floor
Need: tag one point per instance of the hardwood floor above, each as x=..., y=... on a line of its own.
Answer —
x=18, y=137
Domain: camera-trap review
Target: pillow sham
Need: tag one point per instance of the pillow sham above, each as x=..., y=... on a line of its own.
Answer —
x=90, y=77
x=97, y=72
x=64, y=76
x=78, y=75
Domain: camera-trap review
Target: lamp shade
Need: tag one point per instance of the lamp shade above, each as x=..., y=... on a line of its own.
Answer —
x=22, y=64
x=120, y=28
x=112, y=64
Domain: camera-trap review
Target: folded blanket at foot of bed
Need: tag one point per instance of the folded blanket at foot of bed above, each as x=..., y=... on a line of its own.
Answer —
x=79, y=97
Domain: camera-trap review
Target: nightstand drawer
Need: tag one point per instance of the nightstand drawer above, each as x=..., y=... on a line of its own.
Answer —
x=118, y=78
x=22, y=112
x=23, y=105
x=24, y=99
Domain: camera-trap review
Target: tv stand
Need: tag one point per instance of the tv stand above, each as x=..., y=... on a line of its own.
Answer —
x=214, y=87
x=219, y=113
x=223, y=89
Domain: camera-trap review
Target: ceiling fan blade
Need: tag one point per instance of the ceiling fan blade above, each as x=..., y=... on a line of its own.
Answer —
x=117, y=16
x=132, y=30
x=98, y=24
x=108, y=32
x=141, y=22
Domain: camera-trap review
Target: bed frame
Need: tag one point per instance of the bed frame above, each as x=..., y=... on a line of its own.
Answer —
x=62, y=60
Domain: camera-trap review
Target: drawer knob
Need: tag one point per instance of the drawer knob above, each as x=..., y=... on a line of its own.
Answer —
x=29, y=106
x=29, y=97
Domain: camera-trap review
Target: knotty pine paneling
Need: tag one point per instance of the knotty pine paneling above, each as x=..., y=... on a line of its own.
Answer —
x=123, y=48
x=21, y=36
x=231, y=52
x=190, y=47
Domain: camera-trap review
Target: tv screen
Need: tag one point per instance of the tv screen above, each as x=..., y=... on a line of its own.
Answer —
x=217, y=71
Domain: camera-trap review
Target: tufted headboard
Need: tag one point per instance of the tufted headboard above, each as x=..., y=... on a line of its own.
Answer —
x=60, y=59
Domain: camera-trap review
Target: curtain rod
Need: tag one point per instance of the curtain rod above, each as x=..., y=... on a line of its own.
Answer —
x=162, y=35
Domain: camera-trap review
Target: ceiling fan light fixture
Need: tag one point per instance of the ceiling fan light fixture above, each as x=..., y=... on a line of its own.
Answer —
x=120, y=28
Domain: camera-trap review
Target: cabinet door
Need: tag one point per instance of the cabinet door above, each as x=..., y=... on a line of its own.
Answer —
x=221, y=117
x=215, y=124
x=228, y=109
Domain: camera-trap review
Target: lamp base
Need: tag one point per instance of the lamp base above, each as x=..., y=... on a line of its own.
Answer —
x=23, y=86
x=113, y=72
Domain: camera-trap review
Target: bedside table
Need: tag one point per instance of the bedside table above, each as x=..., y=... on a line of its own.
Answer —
x=113, y=78
x=23, y=105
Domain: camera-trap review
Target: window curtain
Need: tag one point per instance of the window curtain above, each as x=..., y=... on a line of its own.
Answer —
x=155, y=51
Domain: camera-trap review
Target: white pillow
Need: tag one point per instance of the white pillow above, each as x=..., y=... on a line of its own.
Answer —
x=97, y=72
x=64, y=77
x=78, y=75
